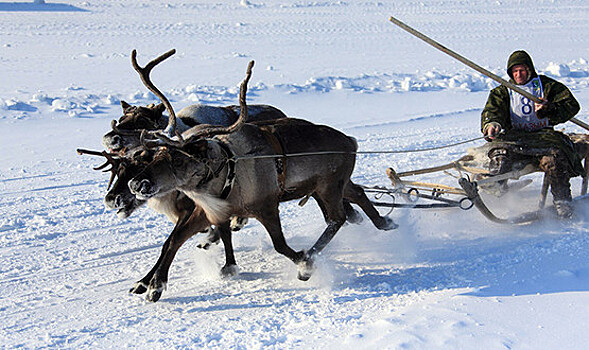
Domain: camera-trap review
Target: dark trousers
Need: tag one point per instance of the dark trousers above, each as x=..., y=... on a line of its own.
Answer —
x=554, y=163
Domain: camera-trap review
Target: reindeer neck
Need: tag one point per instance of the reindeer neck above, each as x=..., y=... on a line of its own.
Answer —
x=220, y=171
x=211, y=193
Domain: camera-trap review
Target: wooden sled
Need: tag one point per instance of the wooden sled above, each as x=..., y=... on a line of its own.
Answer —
x=473, y=176
x=415, y=192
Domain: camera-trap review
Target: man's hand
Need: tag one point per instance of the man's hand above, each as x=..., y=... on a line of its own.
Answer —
x=492, y=130
x=544, y=109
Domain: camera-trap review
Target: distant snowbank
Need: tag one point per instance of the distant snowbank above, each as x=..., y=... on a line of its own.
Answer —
x=78, y=102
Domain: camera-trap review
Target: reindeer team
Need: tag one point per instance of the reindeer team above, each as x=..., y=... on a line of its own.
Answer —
x=210, y=168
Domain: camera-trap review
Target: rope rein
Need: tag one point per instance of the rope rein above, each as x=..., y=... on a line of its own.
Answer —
x=358, y=152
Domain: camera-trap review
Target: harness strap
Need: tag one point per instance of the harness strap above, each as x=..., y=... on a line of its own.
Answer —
x=230, y=177
x=279, y=162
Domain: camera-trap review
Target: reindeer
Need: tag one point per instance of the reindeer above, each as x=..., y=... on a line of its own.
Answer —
x=244, y=170
x=175, y=205
x=125, y=133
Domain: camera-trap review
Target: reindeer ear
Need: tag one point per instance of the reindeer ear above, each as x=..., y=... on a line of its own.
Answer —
x=160, y=108
x=125, y=105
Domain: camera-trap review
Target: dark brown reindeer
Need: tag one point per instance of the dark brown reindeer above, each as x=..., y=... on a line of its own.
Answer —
x=243, y=171
x=125, y=133
x=175, y=205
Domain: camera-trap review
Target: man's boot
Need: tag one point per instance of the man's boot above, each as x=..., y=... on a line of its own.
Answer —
x=560, y=186
x=564, y=208
x=499, y=164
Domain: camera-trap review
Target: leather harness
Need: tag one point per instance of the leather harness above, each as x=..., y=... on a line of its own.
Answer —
x=279, y=163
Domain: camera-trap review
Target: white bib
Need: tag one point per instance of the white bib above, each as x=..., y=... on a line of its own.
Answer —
x=523, y=112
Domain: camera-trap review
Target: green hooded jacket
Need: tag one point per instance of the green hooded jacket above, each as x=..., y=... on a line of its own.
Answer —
x=565, y=106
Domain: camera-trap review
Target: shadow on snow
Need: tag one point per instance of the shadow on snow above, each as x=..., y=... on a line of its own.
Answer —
x=32, y=7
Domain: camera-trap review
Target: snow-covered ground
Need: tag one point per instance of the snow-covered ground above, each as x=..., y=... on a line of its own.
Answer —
x=445, y=279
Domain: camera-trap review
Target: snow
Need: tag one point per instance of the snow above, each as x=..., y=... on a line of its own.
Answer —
x=446, y=279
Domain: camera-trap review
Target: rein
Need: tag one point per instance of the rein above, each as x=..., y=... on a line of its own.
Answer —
x=357, y=152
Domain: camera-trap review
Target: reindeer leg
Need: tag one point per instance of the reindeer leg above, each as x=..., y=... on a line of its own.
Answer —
x=230, y=268
x=356, y=195
x=194, y=224
x=352, y=215
x=271, y=221
x=321, y=205
x=306, y=267
x=336, y=216
x=141, y=286
x=213, y=235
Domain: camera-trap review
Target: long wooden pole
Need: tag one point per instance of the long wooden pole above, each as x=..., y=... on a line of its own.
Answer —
x=476, y=67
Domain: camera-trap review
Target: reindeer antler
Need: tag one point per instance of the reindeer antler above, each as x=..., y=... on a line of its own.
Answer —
x=220, y=130
x=144, y=75
x=110, y=160
x=159, y=140
x=242, y=101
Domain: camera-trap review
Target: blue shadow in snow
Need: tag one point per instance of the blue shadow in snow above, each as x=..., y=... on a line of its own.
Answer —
x=31, y=7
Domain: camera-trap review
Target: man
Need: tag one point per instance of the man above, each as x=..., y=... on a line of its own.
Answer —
x=522, y=131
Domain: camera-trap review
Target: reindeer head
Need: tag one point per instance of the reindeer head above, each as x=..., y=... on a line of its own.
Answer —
x=172, y=167
x=139, y=117
x=125, y=133
x=119, y=197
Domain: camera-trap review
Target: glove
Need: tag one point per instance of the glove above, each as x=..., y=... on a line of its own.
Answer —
x=491, y=130
x=546, y=110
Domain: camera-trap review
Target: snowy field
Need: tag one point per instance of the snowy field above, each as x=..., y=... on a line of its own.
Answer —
x=446, y=279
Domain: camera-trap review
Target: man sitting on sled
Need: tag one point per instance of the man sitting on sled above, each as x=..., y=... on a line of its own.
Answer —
x=522, y=131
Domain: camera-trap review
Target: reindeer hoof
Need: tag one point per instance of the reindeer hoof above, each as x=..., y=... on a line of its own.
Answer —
x=155, y=293
x=153, y=296
x=306, y=269
x=229, y=271
x=138, y=288
x=213, y=236
x=237, y=223
x=387, y=224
